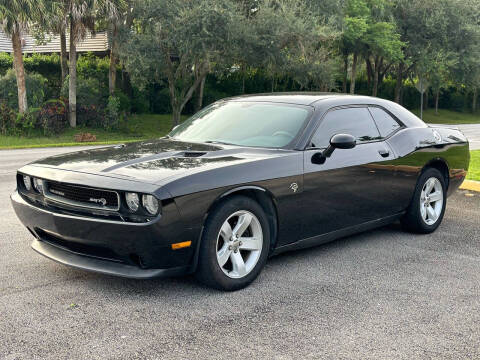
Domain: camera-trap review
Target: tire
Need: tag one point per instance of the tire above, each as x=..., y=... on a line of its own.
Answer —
x=217, y=246
x=425, y=214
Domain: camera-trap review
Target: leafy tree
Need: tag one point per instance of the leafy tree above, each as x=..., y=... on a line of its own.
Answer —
x=423, y=26
x=180, y=41
x=54, y=22
x=15, y=16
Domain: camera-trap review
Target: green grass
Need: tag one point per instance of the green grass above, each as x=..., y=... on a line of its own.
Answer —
x=448, y=117
x=474, y=170
x=140, y=127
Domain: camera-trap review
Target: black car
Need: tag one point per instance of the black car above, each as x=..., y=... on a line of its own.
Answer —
x=244, y=179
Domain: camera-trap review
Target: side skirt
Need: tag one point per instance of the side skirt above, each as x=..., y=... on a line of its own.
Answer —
x=337, y=234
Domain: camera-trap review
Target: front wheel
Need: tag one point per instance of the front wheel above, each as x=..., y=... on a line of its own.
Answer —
x=234, y=245
x=427, y=208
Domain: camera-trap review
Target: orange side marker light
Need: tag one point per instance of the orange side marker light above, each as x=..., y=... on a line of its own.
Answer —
x=181, y=245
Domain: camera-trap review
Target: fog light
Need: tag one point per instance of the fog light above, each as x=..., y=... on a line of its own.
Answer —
x=38, y=185
x=150, y=203
x=27, y=181
x=133, y=201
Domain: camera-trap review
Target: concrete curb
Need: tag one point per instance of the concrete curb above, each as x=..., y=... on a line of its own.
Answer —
x=471, y=185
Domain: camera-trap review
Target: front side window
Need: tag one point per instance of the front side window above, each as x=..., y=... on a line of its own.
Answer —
x=354, y=121
x=258, y=124
x=385, y=123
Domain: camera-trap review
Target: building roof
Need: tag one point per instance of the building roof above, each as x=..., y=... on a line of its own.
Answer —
x=94, y=43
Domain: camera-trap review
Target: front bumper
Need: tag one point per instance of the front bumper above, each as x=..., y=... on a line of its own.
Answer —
x=110, y=247
x=69, y=258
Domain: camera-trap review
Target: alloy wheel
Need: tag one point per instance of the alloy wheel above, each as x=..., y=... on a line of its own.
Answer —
x=431, y=201
x=239, y=244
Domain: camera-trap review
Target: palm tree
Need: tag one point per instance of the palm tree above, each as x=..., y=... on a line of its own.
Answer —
x=56, y=22
x=15, y=16
x=81, y=18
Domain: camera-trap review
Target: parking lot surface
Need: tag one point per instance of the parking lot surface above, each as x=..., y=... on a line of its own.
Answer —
x=382, y=294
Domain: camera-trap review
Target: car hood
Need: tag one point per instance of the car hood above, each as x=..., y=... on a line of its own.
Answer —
x=154, y=161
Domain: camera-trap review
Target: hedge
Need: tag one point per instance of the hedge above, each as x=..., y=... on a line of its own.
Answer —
x=155, y=98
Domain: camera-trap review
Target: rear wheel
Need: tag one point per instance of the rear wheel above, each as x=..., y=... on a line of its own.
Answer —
x=426, y=211
x=235, y=244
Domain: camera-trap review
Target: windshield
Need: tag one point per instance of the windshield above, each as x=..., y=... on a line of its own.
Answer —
x=244, y=123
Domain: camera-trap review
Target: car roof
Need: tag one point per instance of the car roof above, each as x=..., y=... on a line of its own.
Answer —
x=299, y=98
x=325, y=100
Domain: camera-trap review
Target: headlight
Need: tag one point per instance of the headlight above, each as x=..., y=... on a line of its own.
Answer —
x=133, y=201
x=27, y=181
x=150, y=203
x=38, y=185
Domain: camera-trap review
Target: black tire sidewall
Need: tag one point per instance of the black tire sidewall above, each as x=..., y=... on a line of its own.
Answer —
x=209, y=271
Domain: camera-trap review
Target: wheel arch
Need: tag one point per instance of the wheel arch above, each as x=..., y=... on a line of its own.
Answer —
x=266, y=200
x=442, y=166
x=261, y=195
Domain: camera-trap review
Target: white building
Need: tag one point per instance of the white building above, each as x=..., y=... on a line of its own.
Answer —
x=97, y=43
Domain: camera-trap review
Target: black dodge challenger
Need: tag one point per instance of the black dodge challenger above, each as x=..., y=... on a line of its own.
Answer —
x=244, y=179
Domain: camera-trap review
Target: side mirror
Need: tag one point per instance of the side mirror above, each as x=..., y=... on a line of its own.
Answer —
x=338, y=141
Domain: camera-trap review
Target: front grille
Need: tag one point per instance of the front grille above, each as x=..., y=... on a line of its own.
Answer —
x=75, y=195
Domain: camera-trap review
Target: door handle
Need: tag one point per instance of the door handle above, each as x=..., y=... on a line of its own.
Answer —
x=384, y=153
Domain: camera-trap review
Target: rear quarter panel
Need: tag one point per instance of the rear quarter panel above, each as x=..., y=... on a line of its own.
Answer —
x=416, y=148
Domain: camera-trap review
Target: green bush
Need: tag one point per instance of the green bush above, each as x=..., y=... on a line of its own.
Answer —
x=113, y=114
x=90, y=91
x=26, y=123
x=140, y=103
x=48, y=65
x=125, y=104
x=91, y=66
x=52, y=117
x=7, y=119
x=6, y=63
x=35, y=84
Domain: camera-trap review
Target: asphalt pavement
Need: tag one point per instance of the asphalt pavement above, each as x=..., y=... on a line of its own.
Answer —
x=382, y=294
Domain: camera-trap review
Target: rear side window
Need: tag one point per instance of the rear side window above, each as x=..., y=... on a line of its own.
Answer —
x=385, y=123
x=354, y=121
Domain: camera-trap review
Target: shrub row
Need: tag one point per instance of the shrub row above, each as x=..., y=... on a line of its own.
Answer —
x=44, y=82
x=51, y=117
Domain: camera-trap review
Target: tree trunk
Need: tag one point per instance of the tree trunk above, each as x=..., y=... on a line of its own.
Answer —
x=345, y=73
x=474, y=101
x=176, y=116
x=19, y=71
x=112, y=72
x=201, y=87
x=437, y=95
x=425, y=103
x=368, y=64
x=63, y=54
x=354, y=73
x=375, y=76
x=72, y=85
x=398, y=85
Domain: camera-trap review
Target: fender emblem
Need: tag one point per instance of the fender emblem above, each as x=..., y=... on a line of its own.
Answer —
x=100, y=201
x=294, y=187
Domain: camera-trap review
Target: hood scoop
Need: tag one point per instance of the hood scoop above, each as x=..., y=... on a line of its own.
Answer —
x=192, y=154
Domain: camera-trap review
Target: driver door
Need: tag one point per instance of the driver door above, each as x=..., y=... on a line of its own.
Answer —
x=353, y=185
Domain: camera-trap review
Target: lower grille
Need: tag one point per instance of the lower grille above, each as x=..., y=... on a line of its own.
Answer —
x=77, y=248
x=79, y=196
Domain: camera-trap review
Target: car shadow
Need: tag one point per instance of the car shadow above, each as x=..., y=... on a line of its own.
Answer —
x=176, y=287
